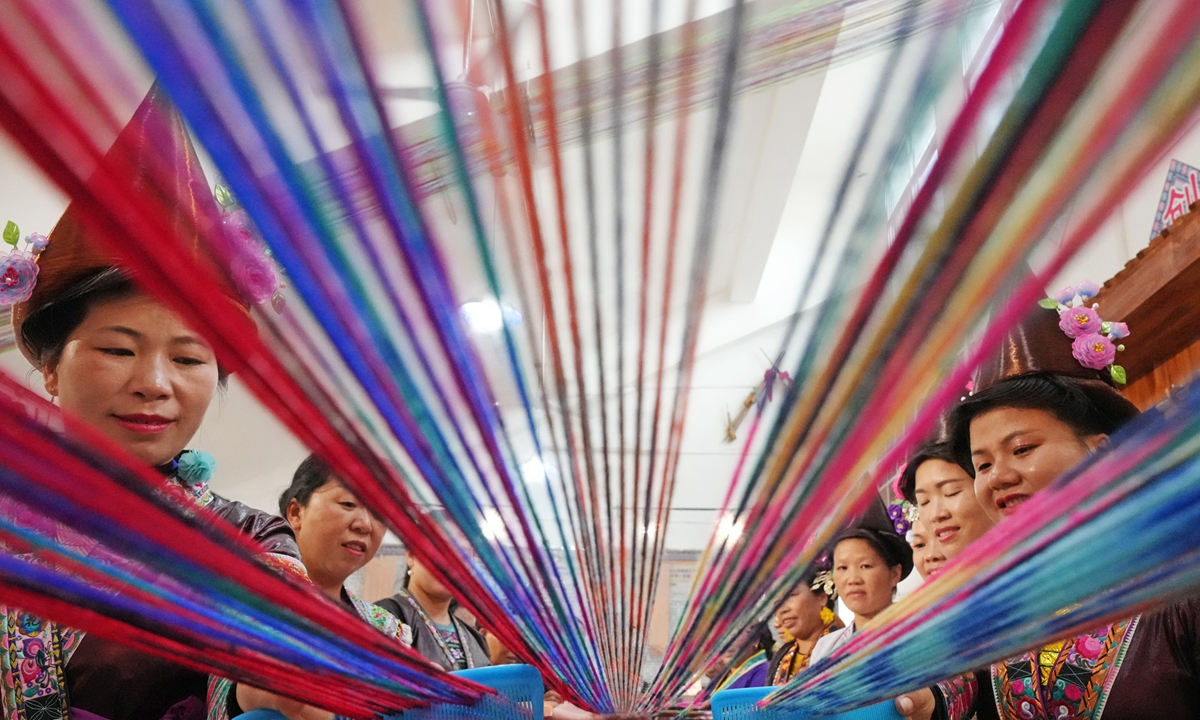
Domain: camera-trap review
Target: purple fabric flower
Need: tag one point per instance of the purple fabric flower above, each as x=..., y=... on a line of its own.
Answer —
x=1094, y=351
x=18, y=275
x=37, y=241
x=1079, y=321
x=255, y=277
x=895, y=512
x=1117, y=330
x=1066, y=295
x=1087, y=289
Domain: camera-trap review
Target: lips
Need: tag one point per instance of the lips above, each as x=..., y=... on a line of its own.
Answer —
x=355, y=546
x=946, y=534
x=1007, y=504
x=140, y=423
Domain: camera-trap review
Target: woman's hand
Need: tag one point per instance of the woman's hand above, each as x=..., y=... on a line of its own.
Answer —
x=254, y=699
x=917, y=705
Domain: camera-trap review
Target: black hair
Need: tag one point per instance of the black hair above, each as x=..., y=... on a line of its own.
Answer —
x=46, y=329
x=893, y=549
x=312, y=474
x=763, y=638
x=929, y=450
x=810, y=577
x=1088, y=407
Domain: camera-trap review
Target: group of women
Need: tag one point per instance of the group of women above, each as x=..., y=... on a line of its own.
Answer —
x=1036, y=411
x=122, y=362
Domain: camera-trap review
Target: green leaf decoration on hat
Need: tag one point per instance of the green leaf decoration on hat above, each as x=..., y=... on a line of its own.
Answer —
x=223, y=196
x=1048, y=303
x=12, y=233
x=1118, y=374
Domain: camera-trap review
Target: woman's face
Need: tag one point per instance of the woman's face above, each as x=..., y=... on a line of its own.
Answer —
x=800, y=613
x=927, y=556
x=864, y=581
x=948, y=506
x=425, y=582
x=499, y=654
x=335, y=533
x=1019, y=451
x=136, y=373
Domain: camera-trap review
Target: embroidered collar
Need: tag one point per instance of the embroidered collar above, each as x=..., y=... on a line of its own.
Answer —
x=1079, y=680
x=190, y=471
x=38, y=650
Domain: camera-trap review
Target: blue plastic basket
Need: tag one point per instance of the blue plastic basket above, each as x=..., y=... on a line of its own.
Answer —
x=518, y=689
x=742, y=704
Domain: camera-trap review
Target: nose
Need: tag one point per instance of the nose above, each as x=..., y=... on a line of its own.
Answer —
x=938, y=510
x=1002, y=475
x=362, y=522
x=151, y=377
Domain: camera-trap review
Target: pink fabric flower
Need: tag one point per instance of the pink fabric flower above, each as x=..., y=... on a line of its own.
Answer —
x=255, y=277
x=1066, y=295
x=1089, y=647
x=1094, y=351
x=252, y=271
x=1117, y=330
x=896, y=488
x=238, y=230
x=18, y=275
x=1087, y=289
x=1079, y=321
x=1018, y=687
x=1073, y=693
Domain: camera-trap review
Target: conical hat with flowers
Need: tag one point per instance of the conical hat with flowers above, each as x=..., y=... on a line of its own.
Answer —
x=1038, y=344
x=155, y=159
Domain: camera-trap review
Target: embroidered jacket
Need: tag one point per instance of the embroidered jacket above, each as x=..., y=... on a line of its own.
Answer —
x=1141, y=668
x=36, y=651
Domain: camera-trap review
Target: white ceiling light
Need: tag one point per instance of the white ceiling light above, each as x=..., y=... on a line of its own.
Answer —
x=728, y=530
x=535, y=471
x=492, y=525
x=488, y=316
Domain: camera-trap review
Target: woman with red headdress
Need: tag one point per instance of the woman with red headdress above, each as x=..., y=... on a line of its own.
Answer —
x=122, y=362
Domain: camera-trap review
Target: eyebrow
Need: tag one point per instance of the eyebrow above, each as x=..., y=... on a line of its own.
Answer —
x=181, y=340
x=1006, y=440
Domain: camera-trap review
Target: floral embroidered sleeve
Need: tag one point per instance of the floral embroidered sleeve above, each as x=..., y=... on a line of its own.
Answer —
x=956, y=697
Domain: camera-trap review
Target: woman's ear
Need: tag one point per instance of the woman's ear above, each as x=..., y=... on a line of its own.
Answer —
x=896, y=573
x=293, y=514
x=50, y=378
x=1095, y=442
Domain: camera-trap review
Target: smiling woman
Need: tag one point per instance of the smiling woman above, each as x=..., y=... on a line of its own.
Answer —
x=1023, y=432
x=1040, y=411
x=134, y=371
x=123, y=363
x=944, y=494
